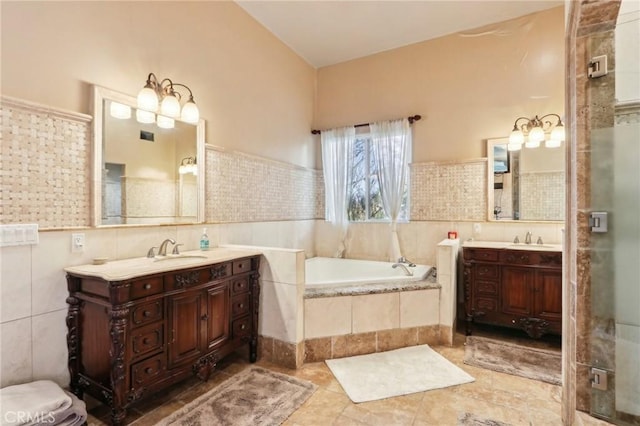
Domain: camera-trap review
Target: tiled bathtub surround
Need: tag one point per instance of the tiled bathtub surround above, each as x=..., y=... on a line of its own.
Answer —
x=245, y=188
x=45, y=165
x=449, y=191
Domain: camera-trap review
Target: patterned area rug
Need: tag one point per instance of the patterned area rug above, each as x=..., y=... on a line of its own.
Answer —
x=399, y=372
x=254, y=396
x=533, y=363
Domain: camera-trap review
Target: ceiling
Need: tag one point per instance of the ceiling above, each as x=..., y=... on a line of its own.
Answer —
x=329, y=32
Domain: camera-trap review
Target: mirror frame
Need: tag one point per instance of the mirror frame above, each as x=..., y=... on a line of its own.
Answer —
x=490, y=183
x=99, y=96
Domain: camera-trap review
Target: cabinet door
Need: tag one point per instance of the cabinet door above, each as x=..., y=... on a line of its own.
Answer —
x=187, y=326
x=517, y=285
x=548, y=295
x=217, y=314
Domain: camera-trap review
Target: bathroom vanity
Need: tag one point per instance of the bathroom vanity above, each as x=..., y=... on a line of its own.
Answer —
x=513, y=285
x=136, y=326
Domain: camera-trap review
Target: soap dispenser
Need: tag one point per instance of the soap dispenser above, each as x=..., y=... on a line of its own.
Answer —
x=204, y=240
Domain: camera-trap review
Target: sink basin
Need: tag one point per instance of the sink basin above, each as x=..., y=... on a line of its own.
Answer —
x=178, y=256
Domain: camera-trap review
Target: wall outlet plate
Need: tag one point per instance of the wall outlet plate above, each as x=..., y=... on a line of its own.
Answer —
x=77, y=243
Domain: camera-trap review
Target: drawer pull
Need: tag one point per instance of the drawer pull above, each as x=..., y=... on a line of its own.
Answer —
x=204, y=317
x=146, y=314
x=513, y=321
x=145, y=341
x=147, y=286
x=243, y=326
x=148, y=370
x=241, y=305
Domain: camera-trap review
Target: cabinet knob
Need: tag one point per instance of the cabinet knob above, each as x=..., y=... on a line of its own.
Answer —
x=241, y=305
x=204, y=317
x=147, y=286
x=146, y=314
x=513, y=321
x=145, y=341
x=243, y=326
x=148, y=370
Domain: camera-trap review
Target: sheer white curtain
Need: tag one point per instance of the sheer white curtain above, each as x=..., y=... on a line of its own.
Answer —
x=391, y=144
x=337, y=153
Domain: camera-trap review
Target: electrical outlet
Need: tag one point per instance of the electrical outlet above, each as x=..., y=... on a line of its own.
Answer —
x=77, y=243
x=477, y=228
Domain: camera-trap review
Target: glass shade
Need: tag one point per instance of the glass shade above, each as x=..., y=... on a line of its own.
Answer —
x=121, y=111
x=165, y=122
x=558, y=133
x=190, y=113
x=553, y=143
x=170, y=106
x=532, y=143
x=536, y=135
x=516, y=137
x=514, y=146
x=148, y=99
x=146, y=117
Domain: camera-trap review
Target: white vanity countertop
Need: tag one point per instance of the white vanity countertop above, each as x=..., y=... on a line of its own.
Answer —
x=125, y=269
x=512, y=246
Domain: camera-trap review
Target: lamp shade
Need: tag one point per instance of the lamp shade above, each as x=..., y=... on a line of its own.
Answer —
x=146, y=117
x=148, y=99
x=121, y=111
x=516, y=137
x=170, y=106
x=514, y=146
x=536, y=135
x=558, y=133
x=553, y=143
x=190, y=113
x=165, y=122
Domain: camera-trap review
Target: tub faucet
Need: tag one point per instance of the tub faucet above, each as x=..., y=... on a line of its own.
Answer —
x=406, y=270
x=403, y=259
x=527, y=238
x=162, y=251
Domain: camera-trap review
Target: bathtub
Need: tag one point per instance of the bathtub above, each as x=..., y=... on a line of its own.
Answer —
x=327, y=272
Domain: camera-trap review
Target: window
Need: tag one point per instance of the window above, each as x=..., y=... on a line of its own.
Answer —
x=365, y=201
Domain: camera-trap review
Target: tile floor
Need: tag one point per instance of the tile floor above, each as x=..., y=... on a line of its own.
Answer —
x=494, y=396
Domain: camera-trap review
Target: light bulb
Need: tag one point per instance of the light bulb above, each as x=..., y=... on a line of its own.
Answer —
x=121, y=111
x=170, y=106
x=532, y=143
x=190, y=113
x=165, y=122
x=146, y=117
x=514, y=146
x=148, y=99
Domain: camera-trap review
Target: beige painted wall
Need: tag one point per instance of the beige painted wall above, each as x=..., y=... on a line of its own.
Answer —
x=468, y=87
x=254, y=92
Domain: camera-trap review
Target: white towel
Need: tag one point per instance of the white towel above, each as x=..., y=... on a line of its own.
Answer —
x=39, y=402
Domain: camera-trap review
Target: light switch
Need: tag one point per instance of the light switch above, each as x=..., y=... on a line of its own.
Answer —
x=18, y=234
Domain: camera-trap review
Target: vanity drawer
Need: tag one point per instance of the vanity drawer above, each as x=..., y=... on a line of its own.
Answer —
x=241, y=266
x=146, y=287
x=185, y=279
x=240, y=285
x=148, y=371
x=486, y=271
x=487, y=255
x=145, y=340
x=487, y=287
x=147, y=313
x=519, y=257
x=241, y=327
x=240, y=305
x=485, y=304
x=221, y=270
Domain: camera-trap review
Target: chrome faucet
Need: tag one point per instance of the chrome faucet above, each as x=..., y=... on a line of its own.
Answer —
x=406, y=270
x=162, y=251
x=527, y=238
x=403, y=259
x=539, y=241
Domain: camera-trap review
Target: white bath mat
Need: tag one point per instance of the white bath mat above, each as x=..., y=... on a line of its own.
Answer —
x=393, y=373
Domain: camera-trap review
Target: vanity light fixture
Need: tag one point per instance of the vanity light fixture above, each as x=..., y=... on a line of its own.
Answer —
x=121, y=111
x=188, y=165
x=535, y=130
x=163, y=98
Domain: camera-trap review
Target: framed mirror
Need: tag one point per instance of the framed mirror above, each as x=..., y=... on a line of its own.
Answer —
x=525, y=185
x=144, y=173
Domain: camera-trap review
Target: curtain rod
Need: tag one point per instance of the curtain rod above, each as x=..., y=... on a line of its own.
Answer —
x=411, y=120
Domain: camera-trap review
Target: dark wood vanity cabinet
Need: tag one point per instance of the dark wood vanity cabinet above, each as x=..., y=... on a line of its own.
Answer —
x=129, y=339
x=513, y=288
